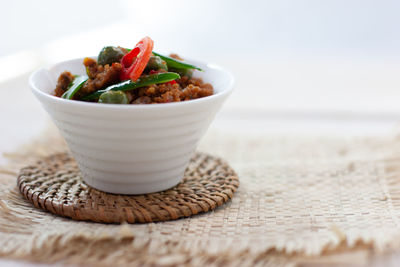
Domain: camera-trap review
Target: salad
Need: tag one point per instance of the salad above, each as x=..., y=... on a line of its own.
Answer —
x=133, y=76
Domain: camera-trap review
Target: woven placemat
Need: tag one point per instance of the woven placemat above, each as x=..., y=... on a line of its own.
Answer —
x=54, y=184
x=301, y=200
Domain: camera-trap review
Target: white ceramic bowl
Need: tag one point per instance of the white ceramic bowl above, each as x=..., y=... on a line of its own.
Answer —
x=131, y=149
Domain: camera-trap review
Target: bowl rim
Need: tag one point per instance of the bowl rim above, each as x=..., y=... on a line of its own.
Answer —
x=226, y=91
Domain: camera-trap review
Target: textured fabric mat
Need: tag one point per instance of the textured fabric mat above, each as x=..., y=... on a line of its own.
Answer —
x=54, y=184
x=299, y=197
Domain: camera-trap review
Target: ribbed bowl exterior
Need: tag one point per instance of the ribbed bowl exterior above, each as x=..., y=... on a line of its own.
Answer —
x=130, y=149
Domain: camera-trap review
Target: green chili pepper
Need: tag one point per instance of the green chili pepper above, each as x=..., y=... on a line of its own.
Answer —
x=176, y=64
x=77, y=84
x=130, y=85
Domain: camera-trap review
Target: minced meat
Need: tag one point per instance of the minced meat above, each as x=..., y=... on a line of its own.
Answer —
x=176, y=56
x=63, y=82
x=185, y=88
x=172, y=92
x=99, y=76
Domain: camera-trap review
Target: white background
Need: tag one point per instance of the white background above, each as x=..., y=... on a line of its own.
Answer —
x=292, y=55
x=327, y=61
x=300, y=66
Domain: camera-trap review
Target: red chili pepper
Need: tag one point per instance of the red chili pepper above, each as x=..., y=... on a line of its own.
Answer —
x=134, y=62
x=153, y=72
x=171, y=82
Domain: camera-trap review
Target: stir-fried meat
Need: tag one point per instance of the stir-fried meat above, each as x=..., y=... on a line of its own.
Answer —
x=167, y=92
x=63, y=82
x=99, y=76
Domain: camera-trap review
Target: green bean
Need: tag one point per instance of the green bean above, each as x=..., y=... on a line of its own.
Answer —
x=130, y=85
x=156, y=63
x=176, y=64
x=183, y=72
x=77, y=84
x=113, y=97
x=173, y=63
x=109, y=55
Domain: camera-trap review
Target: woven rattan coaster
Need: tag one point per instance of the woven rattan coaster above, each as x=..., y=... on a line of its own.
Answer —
x=54, y=184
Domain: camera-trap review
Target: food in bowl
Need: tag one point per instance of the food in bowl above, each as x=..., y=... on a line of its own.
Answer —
x=133, y=76
x=131, y=149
